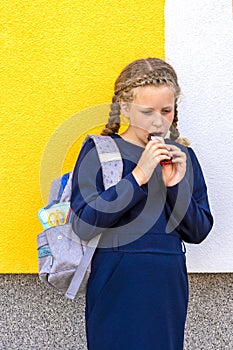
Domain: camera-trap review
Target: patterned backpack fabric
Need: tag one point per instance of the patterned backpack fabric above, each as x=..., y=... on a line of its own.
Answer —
x=65, y=259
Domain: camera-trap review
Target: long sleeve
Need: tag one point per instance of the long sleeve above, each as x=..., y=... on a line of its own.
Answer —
x=188, y=206
x=95, y=208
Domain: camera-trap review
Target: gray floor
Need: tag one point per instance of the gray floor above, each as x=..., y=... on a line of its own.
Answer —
x=35, y=317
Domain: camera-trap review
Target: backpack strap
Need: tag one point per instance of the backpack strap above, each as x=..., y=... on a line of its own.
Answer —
x=111, y=163
x=110, y=159
x=82, y=268
x=112, y=168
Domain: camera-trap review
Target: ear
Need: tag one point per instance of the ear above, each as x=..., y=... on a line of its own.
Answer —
x=125, y=108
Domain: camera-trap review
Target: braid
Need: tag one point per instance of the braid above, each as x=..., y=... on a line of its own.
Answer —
x=113, y=125
x=174, y=132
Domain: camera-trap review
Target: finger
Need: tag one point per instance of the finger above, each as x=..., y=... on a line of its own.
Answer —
x=178, y=154
x=159, y=148
x=155, y=144
x=173, y=148
x=162, y=154
x=178, y=160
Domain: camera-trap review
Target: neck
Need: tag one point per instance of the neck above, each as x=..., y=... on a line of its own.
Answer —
x=129, y=136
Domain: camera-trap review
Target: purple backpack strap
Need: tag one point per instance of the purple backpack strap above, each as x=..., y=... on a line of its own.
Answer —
x=112, y=168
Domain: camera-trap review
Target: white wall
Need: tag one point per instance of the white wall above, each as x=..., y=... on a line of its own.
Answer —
x=199, y=44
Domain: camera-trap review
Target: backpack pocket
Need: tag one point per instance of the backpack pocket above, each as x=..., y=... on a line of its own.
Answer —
x=60, y=251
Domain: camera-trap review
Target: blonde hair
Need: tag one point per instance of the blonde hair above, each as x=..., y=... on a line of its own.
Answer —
x=143, y=72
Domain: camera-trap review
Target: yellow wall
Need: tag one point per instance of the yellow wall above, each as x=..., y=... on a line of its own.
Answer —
x=59, y=57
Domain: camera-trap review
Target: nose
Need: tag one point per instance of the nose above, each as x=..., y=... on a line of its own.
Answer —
x=157, y=120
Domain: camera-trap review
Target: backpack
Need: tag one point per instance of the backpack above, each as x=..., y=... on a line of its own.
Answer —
x=64, y=259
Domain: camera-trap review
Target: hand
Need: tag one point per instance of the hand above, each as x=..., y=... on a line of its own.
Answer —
x=174, y=172
x=154, y=152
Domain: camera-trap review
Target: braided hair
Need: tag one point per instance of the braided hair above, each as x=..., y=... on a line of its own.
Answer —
x=142, y=72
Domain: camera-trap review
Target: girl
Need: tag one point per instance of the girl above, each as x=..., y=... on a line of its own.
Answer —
x=137, y=293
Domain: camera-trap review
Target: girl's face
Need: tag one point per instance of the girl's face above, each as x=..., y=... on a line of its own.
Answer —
x=151, y=112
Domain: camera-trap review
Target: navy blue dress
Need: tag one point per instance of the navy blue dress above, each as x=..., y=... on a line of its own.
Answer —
x=137, y=293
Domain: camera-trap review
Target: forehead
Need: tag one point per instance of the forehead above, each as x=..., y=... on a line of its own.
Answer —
x=151, y=94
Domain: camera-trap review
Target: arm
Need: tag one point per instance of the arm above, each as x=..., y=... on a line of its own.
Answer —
x=96, y=208
x=188, y=206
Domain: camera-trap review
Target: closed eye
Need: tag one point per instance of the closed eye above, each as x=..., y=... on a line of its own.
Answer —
x=147, y=111
x=166, y=111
